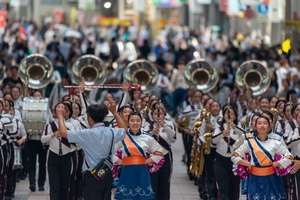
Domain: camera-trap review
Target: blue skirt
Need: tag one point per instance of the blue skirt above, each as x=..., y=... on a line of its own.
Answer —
x=265, y=187
x=134, y=183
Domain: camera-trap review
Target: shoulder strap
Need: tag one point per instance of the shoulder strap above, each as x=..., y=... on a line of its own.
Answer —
x=112, y=142
x=53, y=127
x=63, y=139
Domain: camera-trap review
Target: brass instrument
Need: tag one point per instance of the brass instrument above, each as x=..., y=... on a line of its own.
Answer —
x=140, y=74
x=145, y=112
x=91, y=69
x=207, y=135
x=184, y=124
x=252, y=77
x=202, y=74
x=197, y=157
x=274, y=111
x=143, y=73
x=35, y=71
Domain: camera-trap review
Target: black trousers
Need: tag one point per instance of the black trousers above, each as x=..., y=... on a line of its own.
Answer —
x=10, y=175
x=161, y=179
x=228, y=183
x=36, y=148
x=79, y=175
x=25, y=161
x=188, y=143
x=94, y=189
x=210, y=187
x=59, y=169
x=73, y=175
x=3, y=172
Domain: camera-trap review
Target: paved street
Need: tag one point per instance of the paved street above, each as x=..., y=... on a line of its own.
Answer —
x=181, y=189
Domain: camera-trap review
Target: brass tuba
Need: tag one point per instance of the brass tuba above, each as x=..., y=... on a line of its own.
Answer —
x=253, y=75
x=202, y=74
x=143, y=73
x=35, y=71
x=89, y=68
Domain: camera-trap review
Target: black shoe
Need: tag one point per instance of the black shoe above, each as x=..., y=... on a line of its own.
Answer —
x=8, y=198
x=23, y=177
x=41, y=188
x=32, y=188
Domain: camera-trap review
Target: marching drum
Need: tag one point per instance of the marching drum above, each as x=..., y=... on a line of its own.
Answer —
x=35, y=116
x=18, y=157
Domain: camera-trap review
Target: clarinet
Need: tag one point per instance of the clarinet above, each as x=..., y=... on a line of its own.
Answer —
x=228, y=126
x=158, y=121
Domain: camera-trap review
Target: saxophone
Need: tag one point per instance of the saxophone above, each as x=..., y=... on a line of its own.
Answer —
x=207, y=135
x=197, y=158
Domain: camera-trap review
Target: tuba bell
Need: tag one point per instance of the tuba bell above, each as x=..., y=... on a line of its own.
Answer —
x=141, y=72
x=89, y=68
x=35, y=71
x=202, y=74
x=253, y=75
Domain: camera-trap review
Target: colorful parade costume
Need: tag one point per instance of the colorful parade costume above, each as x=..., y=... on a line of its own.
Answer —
x=134, y=182
x=263, y=181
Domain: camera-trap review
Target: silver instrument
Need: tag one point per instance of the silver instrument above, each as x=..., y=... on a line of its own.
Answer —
x=89, y=68
x=253, y=75
x=202, y=74
x=143, y=73
x=35, y=71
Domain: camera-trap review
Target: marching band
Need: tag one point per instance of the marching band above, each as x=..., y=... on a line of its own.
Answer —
x=218, y=139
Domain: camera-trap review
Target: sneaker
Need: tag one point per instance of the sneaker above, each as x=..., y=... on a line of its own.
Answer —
x=32, y=188
x=41, y=188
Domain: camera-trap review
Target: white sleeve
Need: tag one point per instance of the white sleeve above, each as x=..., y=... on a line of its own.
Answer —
x=22, y=130
x=238, y=153
x=282, y=150
x=155, y=150
x=46, y=137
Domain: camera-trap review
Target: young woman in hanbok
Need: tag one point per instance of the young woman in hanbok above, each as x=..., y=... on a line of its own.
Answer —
x=224, y=137
x=263, y=182
x=134, y=182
